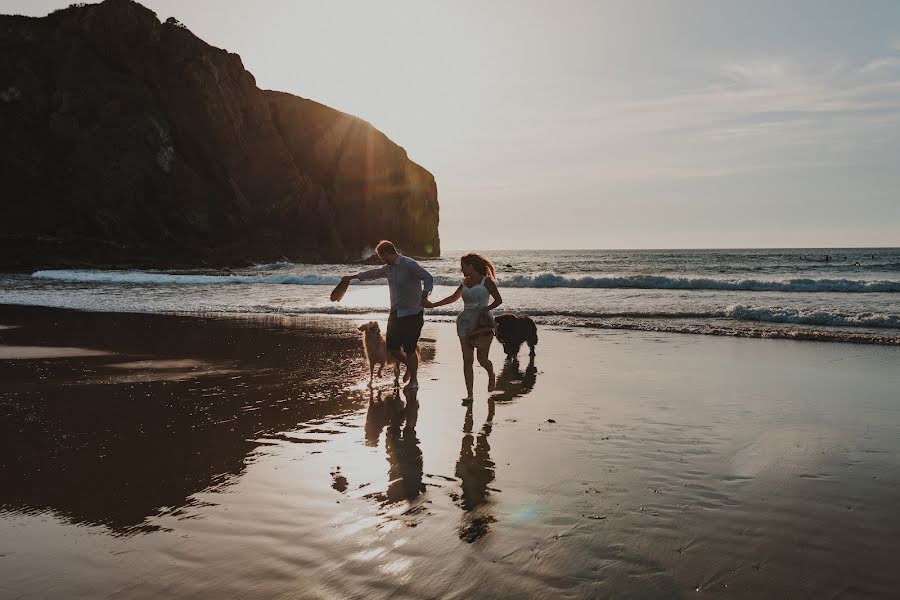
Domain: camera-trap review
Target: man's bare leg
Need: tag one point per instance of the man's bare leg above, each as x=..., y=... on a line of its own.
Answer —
x=412, y=368
x=403, y=359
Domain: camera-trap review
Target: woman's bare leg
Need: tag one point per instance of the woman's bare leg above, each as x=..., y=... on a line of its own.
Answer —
x=485, y=362
x=468, y=355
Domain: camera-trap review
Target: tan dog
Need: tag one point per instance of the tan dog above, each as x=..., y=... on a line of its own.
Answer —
x=376, y=350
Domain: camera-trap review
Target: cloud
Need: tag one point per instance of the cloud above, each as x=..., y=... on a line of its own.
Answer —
x=751, y=115
x=891, y=62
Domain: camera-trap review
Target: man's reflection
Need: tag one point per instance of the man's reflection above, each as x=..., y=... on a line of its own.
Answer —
x=475, y=470
x=402, y=447
x=513, y=383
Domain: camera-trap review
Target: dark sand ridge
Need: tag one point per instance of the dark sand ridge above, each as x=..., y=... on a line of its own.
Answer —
x=740, y=468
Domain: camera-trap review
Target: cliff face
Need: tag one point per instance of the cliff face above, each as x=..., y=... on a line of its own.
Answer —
x=130, y=141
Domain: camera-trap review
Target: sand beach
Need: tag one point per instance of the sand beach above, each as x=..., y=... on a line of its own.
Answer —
x=694, y=210
x=222, y=456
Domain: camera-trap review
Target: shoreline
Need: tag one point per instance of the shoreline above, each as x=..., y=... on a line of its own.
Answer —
x=796, y=333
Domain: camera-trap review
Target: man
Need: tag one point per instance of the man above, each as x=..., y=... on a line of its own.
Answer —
x=405, y=282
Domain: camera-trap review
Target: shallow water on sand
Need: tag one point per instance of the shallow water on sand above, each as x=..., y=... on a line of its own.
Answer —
x=247, y=458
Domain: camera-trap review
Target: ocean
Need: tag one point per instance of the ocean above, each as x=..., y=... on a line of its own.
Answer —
x=849, y=295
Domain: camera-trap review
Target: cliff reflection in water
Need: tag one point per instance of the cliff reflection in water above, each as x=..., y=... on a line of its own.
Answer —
x=177, y=407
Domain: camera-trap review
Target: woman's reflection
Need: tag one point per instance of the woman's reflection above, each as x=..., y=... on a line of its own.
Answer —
x=475, y=469
x=403, y=453
x=513, y=383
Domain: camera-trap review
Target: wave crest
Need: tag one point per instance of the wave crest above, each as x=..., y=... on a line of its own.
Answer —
x=542, y=280
x=812, y=317
x=551, y=280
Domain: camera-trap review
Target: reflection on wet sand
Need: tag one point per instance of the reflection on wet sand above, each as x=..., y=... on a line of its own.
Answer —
x=512, y=383
x=108, y=441
x=475, y=470
x=397, y=417
x=376, y=417
x=685, y=475
x=403, y=453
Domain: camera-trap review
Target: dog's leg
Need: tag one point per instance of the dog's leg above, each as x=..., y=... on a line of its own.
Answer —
x=380, y=367
x=371, y=373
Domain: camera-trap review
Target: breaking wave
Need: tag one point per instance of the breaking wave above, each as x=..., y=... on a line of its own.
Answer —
x=550, y=280
x=543, y=280
x=812, y=317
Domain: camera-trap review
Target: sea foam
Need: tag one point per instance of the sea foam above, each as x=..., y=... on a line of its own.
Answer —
x=812, y=317
x=542, y=280
x=551, y=280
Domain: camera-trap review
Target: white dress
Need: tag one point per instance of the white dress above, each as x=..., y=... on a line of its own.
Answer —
x=474, y=298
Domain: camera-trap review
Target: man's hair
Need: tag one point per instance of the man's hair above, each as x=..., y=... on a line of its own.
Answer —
x=385, y=246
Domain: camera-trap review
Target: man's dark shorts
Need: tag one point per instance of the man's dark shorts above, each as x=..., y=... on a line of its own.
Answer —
x=403, y=332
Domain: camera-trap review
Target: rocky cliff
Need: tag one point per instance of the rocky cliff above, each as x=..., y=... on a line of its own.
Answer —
x=130, y=141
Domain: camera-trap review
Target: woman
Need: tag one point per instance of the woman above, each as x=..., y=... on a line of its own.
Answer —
x=475, y=324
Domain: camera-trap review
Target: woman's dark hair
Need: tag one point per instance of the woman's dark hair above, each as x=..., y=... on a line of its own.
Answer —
x=385, y=246
x=480, y=264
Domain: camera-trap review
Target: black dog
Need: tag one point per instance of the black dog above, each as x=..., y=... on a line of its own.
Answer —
x=513, y=331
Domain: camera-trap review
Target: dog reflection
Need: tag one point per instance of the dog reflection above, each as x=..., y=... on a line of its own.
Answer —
x=512, y=383
x=376, y=417
x=475, y=470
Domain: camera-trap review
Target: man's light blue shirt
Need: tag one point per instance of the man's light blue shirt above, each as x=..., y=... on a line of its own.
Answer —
x=405, y=281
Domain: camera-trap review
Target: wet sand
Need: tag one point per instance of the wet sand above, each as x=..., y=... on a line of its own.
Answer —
x=226, y=457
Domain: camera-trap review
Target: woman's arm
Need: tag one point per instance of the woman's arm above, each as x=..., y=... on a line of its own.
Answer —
x=448, y=300
x=491, y=286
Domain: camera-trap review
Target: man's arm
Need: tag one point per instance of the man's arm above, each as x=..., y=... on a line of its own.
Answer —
x=423, y=275
x=369, y=275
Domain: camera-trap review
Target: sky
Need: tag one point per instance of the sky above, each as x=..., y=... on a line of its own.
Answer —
x=593, y=124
